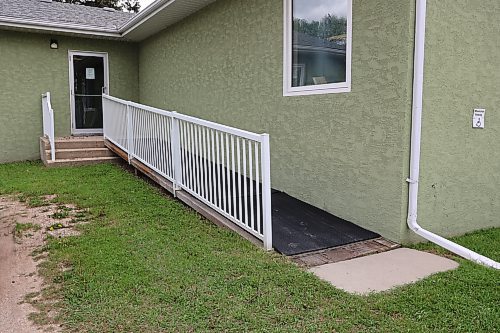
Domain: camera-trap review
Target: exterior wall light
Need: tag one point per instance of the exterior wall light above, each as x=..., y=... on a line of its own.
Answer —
x=54, y=44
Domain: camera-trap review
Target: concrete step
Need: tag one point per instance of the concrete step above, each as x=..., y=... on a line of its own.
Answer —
x=64, y=154
x=76, y=142
x=81, y=161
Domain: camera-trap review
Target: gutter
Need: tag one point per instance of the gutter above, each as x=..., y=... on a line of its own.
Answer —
x=416, y=132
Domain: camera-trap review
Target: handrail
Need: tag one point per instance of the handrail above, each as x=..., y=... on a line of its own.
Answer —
x=224, y=167
x=48, y=123
x=202, y=122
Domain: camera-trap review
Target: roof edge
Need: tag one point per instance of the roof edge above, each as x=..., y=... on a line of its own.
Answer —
x=58, y=27
x=145, y=15
x=120, y=33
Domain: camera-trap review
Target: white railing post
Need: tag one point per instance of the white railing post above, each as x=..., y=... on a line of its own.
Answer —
x=48, y=123
x=129, y=134
x=266, y=192
x=176, y=152
x=52, y=137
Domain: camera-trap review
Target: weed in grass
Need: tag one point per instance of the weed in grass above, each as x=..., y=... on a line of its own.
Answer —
x=81, y=214
x=60, y=214
x=22, y=197
x=20, y=228
x=36, y=201
x=56, y=226
x=30, y=296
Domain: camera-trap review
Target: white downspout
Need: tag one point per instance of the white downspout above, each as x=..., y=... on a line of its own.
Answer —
x=416, y=131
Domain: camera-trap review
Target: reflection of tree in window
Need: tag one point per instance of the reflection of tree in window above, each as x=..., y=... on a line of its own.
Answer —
x=319, y=42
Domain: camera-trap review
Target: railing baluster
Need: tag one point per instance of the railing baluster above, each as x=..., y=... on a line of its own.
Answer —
x=225, y=164
x=229, y=208
x=233, y=168
x=183, y=152
x=148, y=133
x=206, y=165
x=257, y=186
x=168, y=146
x=213, y=184
x=219, y=188
x=202, y=161
x=190, y=156
x=238, y=155
x=155, y=146
x=166, y=135
x=159, y=144
x=250, y=166
x=197, y=160
x=140, y=145
x=245, y=193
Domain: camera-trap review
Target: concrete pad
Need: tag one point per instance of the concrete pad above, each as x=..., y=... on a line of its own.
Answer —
x=383, y=271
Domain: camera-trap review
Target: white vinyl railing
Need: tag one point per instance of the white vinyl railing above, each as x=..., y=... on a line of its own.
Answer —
x=48, y=123
x=226, y=168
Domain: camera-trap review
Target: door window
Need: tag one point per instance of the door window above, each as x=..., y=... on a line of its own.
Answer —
x=88, y=75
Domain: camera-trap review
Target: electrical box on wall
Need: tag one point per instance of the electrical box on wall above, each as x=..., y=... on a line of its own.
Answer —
x=478, y=118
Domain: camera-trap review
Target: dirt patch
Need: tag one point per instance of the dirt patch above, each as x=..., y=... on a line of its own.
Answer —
x=25, y=225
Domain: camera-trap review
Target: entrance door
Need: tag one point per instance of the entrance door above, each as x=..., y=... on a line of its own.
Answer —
x=88, y=80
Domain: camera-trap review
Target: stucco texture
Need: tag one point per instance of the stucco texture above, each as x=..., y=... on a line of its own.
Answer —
x=460, y=182
x=345, y=153
x=29, y=68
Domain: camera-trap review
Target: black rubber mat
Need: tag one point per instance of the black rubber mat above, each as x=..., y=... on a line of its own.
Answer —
x=299, y=227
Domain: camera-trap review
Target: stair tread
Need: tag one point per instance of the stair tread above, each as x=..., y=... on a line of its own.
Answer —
x=84, y=159
x=80, y=138
x=79, y=149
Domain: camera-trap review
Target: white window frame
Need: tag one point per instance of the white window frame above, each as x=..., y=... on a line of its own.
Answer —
x=288, y=90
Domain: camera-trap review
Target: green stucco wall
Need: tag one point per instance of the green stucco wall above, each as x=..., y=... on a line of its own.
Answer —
x=460, y=179
x=345, y=153
x=29, y=68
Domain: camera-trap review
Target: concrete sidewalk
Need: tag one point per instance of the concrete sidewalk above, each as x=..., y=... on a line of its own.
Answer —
x=383, y=271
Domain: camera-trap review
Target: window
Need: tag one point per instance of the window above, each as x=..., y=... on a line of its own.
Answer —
x=317, y=47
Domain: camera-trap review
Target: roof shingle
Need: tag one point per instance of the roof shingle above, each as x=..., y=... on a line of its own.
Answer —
x=64, y=13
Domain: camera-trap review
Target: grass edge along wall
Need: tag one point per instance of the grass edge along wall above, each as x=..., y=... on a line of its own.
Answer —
x=32, y=68
x=344, y=153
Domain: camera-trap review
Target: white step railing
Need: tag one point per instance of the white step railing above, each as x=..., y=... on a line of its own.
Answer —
x=226, y=168
x=48, y=123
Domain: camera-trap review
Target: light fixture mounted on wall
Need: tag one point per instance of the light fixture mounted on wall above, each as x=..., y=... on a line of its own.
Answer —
x=54, y=44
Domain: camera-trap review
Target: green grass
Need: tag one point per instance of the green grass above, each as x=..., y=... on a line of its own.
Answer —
x=146, y=263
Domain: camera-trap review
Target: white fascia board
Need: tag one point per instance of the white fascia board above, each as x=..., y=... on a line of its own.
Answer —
x=145, y=15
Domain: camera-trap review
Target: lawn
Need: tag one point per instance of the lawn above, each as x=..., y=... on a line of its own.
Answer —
x=146, y=263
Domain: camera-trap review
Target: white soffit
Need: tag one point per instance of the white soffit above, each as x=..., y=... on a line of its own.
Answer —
x=161, y=15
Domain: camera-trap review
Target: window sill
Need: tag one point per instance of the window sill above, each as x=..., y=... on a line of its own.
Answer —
x=318, y=91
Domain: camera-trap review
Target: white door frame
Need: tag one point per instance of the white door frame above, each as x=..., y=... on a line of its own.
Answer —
x=71, y=54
